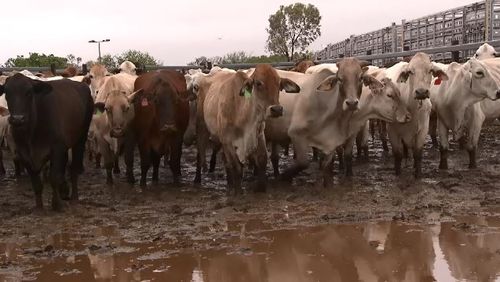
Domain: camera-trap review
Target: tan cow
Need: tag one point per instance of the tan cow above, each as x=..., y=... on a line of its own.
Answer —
x=414, y=81
x=235, y=109
x=111, y=121
x=462, y=103
x=97, y=76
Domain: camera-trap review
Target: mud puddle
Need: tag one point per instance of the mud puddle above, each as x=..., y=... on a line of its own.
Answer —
x=466, y=249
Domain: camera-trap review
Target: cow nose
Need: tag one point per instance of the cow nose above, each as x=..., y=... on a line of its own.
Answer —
x=276, y=110
x=169, y=127
x=117, y=132
x=421, y=94
x=352, y=104
x=17, y=119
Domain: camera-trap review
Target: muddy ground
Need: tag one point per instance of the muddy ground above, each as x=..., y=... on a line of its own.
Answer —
x=124, y=233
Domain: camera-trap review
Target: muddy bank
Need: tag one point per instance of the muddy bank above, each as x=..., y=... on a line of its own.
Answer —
x=177, y=233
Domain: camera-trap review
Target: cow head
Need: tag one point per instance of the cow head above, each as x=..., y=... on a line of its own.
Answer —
x=386, y=101
x=349, y=79
x=482, y=83
x=163, y=96
x=418, y=73
x=486, y=51
x=265, y=85
x=119, y=111
x=20, y=93
x=96, y=77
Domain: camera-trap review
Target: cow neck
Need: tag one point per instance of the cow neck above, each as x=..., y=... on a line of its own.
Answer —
x=358, y=118
x=457, y=100
x=258, y=110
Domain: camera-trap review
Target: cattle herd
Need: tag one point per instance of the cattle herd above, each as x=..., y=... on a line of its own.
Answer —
x=49, y=122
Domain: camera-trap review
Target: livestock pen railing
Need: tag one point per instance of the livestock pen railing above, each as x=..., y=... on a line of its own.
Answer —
x=385, y=56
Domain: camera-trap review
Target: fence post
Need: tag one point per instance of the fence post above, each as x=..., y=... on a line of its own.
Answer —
x=84, y=69
x=53, y=69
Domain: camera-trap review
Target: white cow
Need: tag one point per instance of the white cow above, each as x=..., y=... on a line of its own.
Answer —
x=414, y=81
x=326, y=116
x=128, y=67
x=486, y=51
x=456, y=103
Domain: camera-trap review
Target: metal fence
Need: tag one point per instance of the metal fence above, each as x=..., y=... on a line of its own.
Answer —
x=282, y=65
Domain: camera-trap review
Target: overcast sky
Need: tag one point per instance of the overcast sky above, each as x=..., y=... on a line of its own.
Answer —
x=176, y=32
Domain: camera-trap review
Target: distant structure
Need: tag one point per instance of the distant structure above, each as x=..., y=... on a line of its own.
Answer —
x=473, y=23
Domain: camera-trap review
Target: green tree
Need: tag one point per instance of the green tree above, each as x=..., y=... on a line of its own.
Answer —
x=137, y=57
x=236, y=57
x=109, y=61
x=37, y=60
x=293, y=28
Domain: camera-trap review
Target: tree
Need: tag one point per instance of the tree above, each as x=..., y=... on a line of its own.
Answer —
x=293, y=28
x=109, y=61
x=137, y=57
x=37, y=60
x=236, y=57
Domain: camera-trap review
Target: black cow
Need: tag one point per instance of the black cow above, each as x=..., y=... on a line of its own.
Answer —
x=48, y=119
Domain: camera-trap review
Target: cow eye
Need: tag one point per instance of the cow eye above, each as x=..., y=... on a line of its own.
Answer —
x=108, y=110
x=126, y=109
x=91, y=76
x=258, y=83
x=480, y=73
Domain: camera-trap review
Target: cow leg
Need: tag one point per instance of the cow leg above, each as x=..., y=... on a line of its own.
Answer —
x=327, y=168
x=58, y=160
x=260, y=160
x=98, y=160
x=443, y=145
x=315, y=155
x=340, y=156
x=372, y=125
x=348, y=146
x=301, y=162
x=202, y=139
x=472, y=158
x=116, y=166
x=2, y=168
x=275, y=159
x=397, y=150
x=128, y=156
x=417, y=162
x=433, y=128
x=155, y=160
x=383, y=135
x=104, y=150
x=286, y=149
x=175, y=158
x=213, y=159
x=17, y=167
x=233, y=168
x=145, y=153
x=36, y=183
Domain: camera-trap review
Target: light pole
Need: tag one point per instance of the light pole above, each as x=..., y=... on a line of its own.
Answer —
x=99, y=46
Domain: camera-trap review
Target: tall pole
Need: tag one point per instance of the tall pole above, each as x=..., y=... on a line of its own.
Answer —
x=99, y=46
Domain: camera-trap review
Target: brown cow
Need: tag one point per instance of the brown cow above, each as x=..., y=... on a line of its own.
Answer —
x=234, y=111
x=161, y=118
x=302, y=66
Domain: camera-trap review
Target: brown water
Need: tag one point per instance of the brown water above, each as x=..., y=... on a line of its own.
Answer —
x=465, y=250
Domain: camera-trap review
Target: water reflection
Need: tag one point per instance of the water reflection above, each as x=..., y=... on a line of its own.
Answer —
x=468, y=250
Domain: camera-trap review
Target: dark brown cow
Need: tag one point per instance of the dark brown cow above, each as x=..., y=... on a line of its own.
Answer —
x=161, y=118
x=47, y=119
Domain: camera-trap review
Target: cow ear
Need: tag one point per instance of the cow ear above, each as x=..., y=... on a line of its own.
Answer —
x=134, y=96
x=41, y=88
x=289, y=86
x=403, y=76
x=99, y=107
x=371, y=82
x=438, y=72
x=328, y=84
x=247, y=87
x=86, y=79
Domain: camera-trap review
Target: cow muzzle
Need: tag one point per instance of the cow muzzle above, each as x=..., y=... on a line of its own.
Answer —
x=497, y=95
x=169, y=127
x=352, y=105
x=276, y=111
x=421, y=94
x=404, y=118
x=17, y=120
x=116, y=132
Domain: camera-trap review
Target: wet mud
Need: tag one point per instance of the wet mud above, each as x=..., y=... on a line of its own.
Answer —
x=373, y=227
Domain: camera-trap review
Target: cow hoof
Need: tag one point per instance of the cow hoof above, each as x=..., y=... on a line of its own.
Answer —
x=472, y=166
x=58, y=206
x=197, y=180
x=130, y=179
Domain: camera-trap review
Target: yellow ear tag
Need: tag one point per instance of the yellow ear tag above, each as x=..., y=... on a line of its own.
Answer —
x=98, y=113
x=247, y=94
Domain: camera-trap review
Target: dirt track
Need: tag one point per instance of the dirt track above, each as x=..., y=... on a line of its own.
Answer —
x=168, y=220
